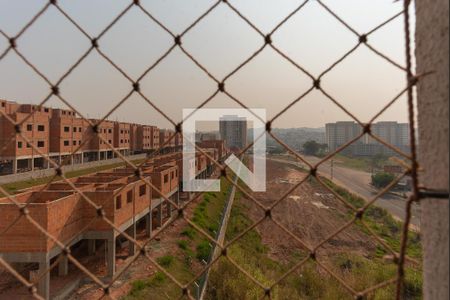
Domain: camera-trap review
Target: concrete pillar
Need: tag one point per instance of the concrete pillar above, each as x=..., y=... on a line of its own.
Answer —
x=91, y=247
x=148, y=224
x=82, y=158
x=169, y=209
x=160, y=215
x=111, y=254
x=131, y=245
x=44, y=284
x=432, y=38
x=14, y=166
x=63, y=267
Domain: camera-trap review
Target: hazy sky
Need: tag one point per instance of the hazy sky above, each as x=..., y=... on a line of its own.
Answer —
x=364, y=83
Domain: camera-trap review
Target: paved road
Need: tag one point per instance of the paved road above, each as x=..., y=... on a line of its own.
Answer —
x=358, y=182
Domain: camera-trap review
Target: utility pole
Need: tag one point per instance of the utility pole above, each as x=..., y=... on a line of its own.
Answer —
x=373, y=166
x=332, y=169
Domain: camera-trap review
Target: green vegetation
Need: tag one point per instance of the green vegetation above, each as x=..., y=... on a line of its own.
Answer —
x=382, y=180
x=189, y=232
x=314, y=148
x=166, y=261
x=311, y=282
x=15, y=187
x=277, y=149
x=203, y=251
x=183, y=244
x=382, y=223
x=139, y=286
x=192, y=247
x=366, y=164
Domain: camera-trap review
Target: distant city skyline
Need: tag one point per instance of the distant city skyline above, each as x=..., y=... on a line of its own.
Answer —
x=268, y=81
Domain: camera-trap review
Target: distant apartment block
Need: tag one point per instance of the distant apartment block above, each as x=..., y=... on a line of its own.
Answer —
x=394, y=133
x=233, y=130
x=154, y=138
x=67, y=133
x=136, y=143
x=122, y=137
x=35, y=128
x=165, y=139
x=65, y=138
x=97, y=147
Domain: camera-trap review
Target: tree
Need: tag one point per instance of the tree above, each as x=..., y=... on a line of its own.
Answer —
x=382, y=180
x=313, y=148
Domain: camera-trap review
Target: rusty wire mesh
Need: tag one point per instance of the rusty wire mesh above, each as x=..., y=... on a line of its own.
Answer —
x=361, y=40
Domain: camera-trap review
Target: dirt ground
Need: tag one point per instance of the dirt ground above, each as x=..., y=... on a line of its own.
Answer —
x=311, y=212
x=142, y=268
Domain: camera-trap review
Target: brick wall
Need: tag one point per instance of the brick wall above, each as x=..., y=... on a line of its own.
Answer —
x=67, y=131
x=122, y=132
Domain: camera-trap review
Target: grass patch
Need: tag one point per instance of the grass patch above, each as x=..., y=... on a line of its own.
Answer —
x=189, y=232
x=382, y=223
x=165, y=261
x=366, y=164
x=227, y=282
x=138, y=287
x=183, y=244
x=203, y=251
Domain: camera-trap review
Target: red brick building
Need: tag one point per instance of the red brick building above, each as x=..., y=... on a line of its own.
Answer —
x=144, y=137
x=154, y=136
x=122, y=137
x=67, y=133
x=135, y=140
x=127, y=202
x=216, y=144
x=17, y=153
x=97, y=147
x=164, y=136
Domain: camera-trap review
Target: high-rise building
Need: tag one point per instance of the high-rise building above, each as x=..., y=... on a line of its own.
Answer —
x=340, y=133
x=393, y=133
x=233, y=130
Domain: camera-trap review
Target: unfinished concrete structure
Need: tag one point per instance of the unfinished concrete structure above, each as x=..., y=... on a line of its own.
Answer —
x=17, y=154
x=166, y=141
x=64, y=214
x=219, y=145
x=122, y=137
x=62, y=136
x=126, y=201
x=67, y=133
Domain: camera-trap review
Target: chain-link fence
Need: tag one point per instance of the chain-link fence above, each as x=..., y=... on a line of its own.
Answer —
x=359, y=214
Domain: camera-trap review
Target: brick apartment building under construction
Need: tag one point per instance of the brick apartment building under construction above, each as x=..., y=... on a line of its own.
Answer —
x=67, y=139
x=127, y=201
